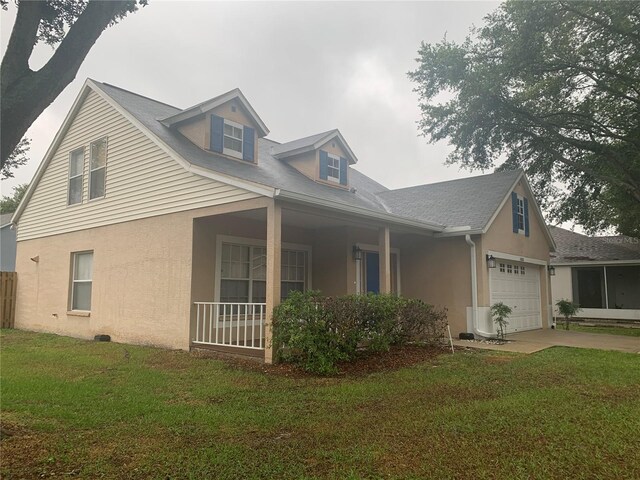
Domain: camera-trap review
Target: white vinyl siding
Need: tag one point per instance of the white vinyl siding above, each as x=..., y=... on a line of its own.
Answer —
x=142, y=180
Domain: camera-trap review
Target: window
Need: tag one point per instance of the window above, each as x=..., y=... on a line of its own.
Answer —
x=502, y=267
x=333, y=168
x=81, y=281
x=97, y=168
x=522, y=271
x=292, y=272
x=243, y=273
x=607, y=287
x=509, y=268
x=76, y=173
x=232, y=140
x=521, y=214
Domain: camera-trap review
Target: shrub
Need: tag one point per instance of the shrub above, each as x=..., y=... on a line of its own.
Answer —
x=317, y=332
x=567, y=309
x=500, y=312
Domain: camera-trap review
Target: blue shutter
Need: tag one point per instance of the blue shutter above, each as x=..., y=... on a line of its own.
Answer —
x=324, y=160
x=217, y=132
x=526, y=217
x=514, y=211
x=343, y=171
x=248, y=143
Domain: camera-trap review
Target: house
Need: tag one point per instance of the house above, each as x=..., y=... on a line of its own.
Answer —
x=185, y=227
x=7, y=244
x=601, y=274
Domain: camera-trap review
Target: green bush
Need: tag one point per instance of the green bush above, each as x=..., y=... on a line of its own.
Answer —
x=317, y=332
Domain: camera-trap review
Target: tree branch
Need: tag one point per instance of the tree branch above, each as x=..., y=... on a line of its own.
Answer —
x=15, y=62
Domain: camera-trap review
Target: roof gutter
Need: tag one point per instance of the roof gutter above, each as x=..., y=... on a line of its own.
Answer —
x=360, y=211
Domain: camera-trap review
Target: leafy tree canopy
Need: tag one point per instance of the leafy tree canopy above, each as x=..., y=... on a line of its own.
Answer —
x=552, y=87
x=9, y=203
x=17, y=158
x=72, y=27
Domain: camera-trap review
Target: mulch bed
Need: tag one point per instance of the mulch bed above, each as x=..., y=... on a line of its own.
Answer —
x=367, y=363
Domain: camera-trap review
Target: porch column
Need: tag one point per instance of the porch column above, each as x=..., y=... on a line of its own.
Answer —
x=274, y=244
x=384, y=253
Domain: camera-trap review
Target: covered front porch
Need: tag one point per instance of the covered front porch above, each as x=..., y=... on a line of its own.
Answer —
x=245, y=262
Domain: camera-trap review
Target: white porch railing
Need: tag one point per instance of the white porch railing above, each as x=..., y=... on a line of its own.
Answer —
x=230, y=324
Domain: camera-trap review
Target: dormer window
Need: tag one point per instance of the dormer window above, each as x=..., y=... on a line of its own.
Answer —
x=333, y=168
x=232, y=139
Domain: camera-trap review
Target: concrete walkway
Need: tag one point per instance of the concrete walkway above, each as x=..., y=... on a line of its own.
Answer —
x=536, y=340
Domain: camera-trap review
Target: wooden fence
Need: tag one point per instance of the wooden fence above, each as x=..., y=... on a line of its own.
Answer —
x=8, y=298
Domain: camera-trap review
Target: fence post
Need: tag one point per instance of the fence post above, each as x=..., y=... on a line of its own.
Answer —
x=8, y=288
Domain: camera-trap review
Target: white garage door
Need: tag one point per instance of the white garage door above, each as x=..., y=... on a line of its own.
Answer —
x=517, y=285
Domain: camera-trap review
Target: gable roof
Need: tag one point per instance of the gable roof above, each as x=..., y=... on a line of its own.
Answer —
x=467, y=202
x=575, y=248
x=212, y=103
x=457, y=207
x=311, y=143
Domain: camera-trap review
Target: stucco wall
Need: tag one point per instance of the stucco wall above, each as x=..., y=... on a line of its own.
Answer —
x=141, y=282
x=438, y=272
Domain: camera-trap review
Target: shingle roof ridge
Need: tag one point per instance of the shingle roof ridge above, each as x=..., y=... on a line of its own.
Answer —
x=319, y=135
x=136, y=94
x=471, y=179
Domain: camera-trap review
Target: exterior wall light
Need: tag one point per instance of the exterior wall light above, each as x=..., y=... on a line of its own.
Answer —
x=491, y=261
x=357, y=253
x=552, y=270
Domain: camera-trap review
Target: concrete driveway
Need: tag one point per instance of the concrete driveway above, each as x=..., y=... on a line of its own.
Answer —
x=536, y=340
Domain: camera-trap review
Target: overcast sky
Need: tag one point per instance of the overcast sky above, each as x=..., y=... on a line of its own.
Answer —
x=305, y=67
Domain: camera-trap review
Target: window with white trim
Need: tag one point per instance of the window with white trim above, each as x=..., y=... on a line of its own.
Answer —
x=98, y=168
x=333, y=168
x=509, y=268
x=520, y=214
x=76, y=174
x=81, y=280
x=243, y=273
x=232, y=139
x=502, y=267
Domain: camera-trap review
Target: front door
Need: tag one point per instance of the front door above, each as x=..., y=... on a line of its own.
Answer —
x=371, y=272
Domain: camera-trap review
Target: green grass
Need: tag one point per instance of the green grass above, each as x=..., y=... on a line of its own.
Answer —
x=630, y=332
x=87, y=410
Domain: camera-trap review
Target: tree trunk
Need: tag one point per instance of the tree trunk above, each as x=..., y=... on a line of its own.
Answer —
x=25, y=93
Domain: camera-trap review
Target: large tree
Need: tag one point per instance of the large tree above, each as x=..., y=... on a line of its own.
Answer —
x=72, y=26
x=552, y=87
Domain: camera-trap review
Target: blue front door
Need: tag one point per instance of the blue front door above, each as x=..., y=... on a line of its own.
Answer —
x=372, y=269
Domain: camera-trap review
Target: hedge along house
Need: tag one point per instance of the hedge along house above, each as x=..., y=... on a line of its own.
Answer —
x=601, y=274
x=184, y=228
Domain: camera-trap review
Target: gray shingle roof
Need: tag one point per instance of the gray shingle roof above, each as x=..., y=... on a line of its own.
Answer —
x=457, y=203
x=300, y=143
x=466, y=202
x=573, y=247
x=269, y=171
x=5, y=219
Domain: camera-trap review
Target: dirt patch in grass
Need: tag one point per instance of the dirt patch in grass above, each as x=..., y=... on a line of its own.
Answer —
x=397, y=357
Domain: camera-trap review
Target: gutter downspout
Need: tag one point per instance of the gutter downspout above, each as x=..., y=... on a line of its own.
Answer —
x=474, y=290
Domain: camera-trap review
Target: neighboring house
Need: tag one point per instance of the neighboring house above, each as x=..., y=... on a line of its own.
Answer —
x=601, y=274
x=7, y=244
x=173, y=227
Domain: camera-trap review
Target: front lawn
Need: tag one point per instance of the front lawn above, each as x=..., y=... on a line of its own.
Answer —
x=78, y=409
x=611, y=330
